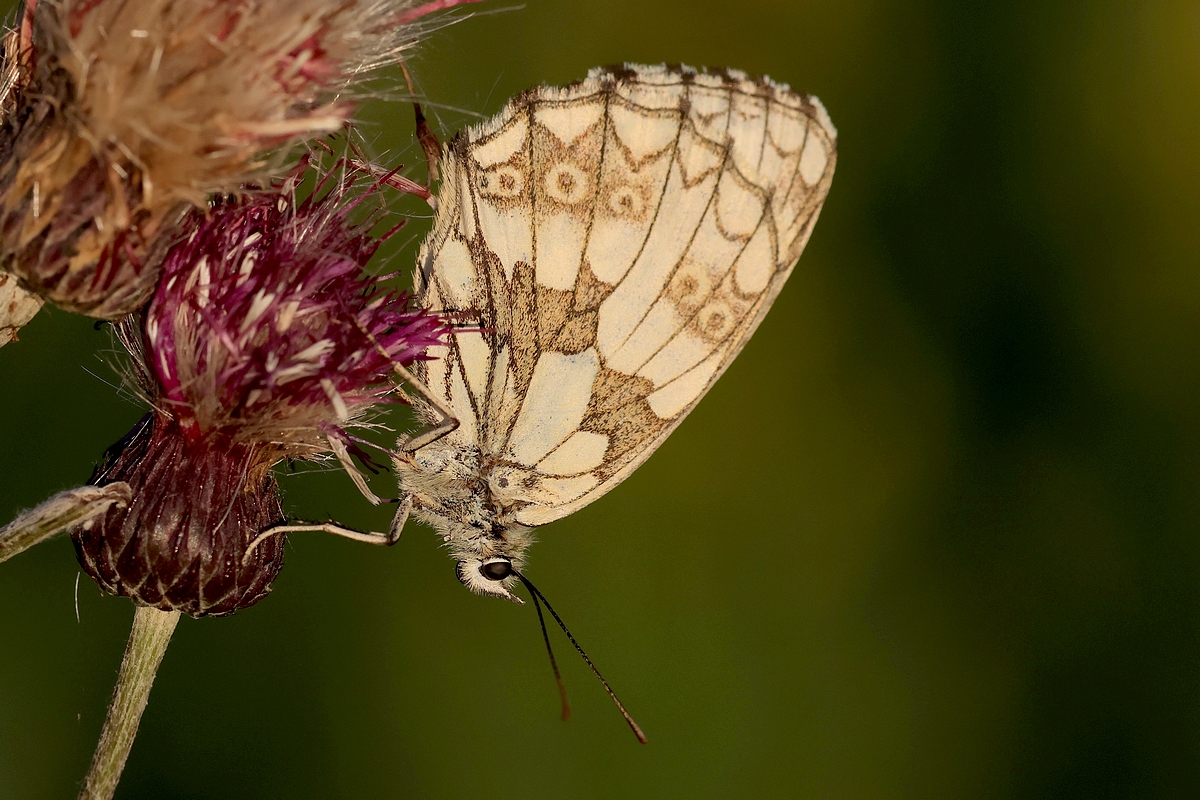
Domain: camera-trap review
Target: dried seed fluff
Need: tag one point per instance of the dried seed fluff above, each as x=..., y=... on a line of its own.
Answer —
x=125, y=113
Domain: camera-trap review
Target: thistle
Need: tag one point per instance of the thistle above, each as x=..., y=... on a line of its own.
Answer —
x=263, y=342
x=118, y=117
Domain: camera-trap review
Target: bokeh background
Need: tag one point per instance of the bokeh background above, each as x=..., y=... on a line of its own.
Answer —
x=935, y=534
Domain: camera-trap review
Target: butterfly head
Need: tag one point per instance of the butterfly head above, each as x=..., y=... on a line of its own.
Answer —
x=492, y=576
x=488, y=565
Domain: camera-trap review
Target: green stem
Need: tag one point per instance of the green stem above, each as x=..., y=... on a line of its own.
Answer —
x=148, y=641
x=64, y=510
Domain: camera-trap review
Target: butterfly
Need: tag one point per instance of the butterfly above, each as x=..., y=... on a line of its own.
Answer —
x=615, y=243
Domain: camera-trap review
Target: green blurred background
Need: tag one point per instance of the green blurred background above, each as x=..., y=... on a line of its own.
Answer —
x=934, y=535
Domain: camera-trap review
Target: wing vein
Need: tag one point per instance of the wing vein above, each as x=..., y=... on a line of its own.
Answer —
x=691, y=240
x=502, y=437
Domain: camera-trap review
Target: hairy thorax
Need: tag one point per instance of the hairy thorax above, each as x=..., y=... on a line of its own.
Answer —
x=468, y=498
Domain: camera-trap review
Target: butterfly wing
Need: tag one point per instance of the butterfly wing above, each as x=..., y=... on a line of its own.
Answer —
x=618, y=241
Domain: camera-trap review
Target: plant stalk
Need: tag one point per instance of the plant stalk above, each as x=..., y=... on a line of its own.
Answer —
x=64, y=510
x=148, y=641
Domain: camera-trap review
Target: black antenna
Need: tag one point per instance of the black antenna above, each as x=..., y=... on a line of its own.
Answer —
x=562, y=689
x=637, y=731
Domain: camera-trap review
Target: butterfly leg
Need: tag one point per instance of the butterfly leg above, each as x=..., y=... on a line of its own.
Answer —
x=401, y=518
x=391, y=177
x=425, y=135
x=433, y=150
x=370, y=537
x=339, y=449
x=447, y=424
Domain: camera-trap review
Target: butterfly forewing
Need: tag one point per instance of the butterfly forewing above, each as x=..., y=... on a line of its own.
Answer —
x=617, y=241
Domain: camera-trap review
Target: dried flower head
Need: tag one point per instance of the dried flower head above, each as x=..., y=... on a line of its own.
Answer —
x=264, y=341
x=123, y=113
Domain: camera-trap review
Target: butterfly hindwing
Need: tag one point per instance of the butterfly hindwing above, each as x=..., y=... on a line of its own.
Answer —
x=618, y=241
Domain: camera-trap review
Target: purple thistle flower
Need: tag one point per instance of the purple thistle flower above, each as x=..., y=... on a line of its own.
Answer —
x=263, y=341
x=264, y=323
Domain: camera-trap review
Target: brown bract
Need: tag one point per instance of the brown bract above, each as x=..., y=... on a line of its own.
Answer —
x=181, y=542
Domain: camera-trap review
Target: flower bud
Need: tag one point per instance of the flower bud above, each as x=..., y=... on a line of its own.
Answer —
x=181, y=542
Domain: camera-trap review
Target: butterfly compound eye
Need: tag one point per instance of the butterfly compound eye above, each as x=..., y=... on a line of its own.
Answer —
x=496, y=570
